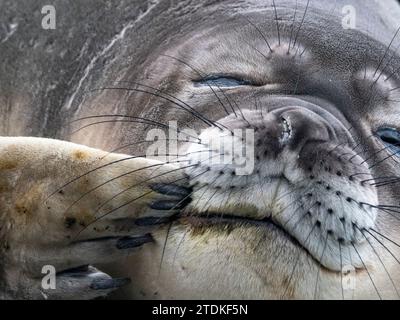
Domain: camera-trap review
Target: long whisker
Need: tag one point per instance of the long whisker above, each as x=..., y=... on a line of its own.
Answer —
x=384, y=68
x=341, y=269
x=386, y=183
x=202, y=76
x=179, y=245
x=352, y=264
x=386, y=158
x=292, y=28
x=384, y=246
x=108, y=121
x=148, y=141
x=319, y=269
x=277, y=22
x=255, y=49
x=386, y=51
x=145, y=121
x=297, y=261
x=175, y=104
x=164, y=248
x=385, y=237
x=366, y=269
x=129, y=188
x=173, y=97
x=301, y=23
x=126, y=174
x=392, y=74
x=259, y=32
x=375, y=153
x=219, y=88
x=380, y=260
x=130, y=201
x=94, y=170
x=207, y=188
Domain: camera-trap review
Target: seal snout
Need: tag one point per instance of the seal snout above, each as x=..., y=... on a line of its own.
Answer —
x=292, y=165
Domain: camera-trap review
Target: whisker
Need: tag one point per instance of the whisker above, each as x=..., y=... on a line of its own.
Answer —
x=209, y=199
x=227, y=198
x=341, y=269
x=259, y=32
x=385, y=237
x=130, y=201
x=208, y=187
x=91, y=171
x=392, y=74
x=145, y=121
x=385, y=178
x=126, y=174
x=301, y=23
x=108, y=121
x=352, y=264
x=148, y=141
x=301, y=218
x=179, y=245
x=380, y=260
x=386, y=183
x=385, y=247
x=360, y=143
x=383, y=209
x=277, y=22
x=164, y=248
x=384, y=68
x=101, y=167
x=375, y=153
x=172, y=96
x=319, y=269
x=175, y=104
x=366, y=269
x=215, y=94
x=297, y=261
x=386, y=52
x=380, y=161
x=292, y=28
x=201, y=75
x=133, y=186
x=255, y=49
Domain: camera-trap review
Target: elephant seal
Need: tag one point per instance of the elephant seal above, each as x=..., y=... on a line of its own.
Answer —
x=314, y=216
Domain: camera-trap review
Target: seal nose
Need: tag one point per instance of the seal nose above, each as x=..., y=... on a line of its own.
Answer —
x=299, y=126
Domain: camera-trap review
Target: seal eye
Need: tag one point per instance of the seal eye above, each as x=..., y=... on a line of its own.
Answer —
x=221, y=81
x=390, y=137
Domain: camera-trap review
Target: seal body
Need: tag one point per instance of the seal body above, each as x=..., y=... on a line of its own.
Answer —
x=318, y=203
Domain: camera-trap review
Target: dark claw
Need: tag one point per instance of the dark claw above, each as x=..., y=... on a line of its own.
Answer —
x=171, y=189
x=80, y=271
x=152, y=221
x=166, y=205
x=107, y=284
x=169, y=204
x=133, y=242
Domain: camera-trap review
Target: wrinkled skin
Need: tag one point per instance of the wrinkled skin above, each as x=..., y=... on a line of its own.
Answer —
x=314, y=95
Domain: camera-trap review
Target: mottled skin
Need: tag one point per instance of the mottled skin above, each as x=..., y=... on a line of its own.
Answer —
x=318, y=75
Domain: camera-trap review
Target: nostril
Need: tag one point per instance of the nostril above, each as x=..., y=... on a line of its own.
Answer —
x=286, y=131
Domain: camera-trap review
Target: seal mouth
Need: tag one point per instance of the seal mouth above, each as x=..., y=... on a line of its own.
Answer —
x=218, y=219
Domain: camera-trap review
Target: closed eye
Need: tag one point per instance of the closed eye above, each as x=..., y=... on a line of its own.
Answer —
x=221, y=81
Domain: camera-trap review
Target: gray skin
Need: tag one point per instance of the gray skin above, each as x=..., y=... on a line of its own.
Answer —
x=319, y=75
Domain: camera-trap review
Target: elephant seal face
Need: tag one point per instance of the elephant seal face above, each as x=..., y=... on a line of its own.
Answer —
x=301, y=108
